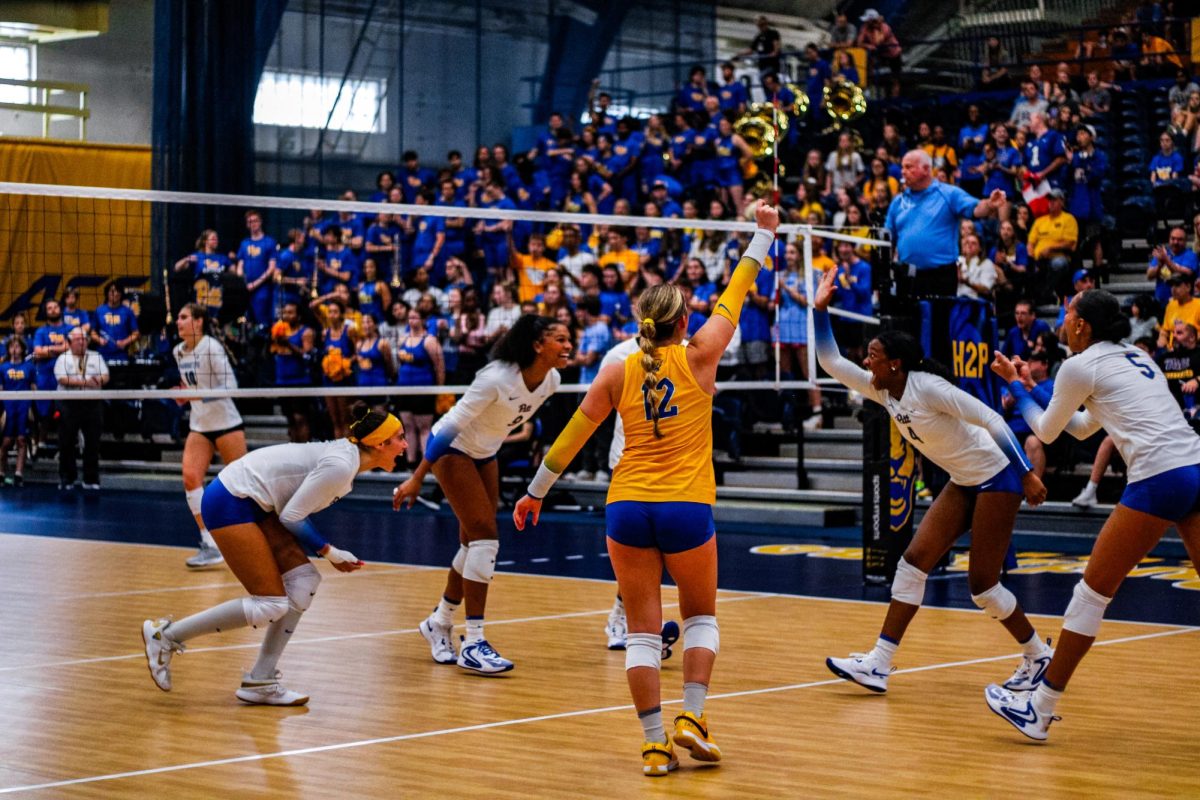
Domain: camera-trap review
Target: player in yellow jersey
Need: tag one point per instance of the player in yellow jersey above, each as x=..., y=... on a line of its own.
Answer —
x=663, y=393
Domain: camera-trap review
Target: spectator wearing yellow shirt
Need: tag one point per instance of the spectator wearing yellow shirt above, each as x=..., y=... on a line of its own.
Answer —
x=1183, y=306
x=619, y=254
x=941, y=152
x=530, y=268
x=1052, y=242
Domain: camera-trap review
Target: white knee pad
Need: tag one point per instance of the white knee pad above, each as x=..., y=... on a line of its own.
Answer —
x=1085, y=611
x=909, y=584
x=997, y=602
x=194, y=496
x=701, y=631
x=261, y=610
x=301, y=584
x=460, y=559
x=480, y=563
x=643, y=650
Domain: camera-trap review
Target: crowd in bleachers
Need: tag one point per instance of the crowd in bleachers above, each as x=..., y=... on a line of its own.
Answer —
x=417, y=300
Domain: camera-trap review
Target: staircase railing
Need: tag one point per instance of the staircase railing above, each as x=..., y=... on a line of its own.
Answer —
x=41, y=96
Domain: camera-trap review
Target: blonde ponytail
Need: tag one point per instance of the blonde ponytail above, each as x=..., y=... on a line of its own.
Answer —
x=659, y=307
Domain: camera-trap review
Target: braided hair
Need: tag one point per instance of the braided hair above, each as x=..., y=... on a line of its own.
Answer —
x=659, y=308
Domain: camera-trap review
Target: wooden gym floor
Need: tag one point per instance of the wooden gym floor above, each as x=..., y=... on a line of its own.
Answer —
x=83, y=719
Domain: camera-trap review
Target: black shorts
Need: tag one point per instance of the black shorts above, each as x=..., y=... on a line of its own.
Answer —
x=213, y=436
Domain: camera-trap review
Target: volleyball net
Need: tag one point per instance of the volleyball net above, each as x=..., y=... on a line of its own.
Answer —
x=280, y=279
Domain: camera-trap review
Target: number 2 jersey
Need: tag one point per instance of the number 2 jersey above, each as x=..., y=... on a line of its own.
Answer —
x=496, y=402
x=207, y=367
x=678, y=467
x=1124, y=392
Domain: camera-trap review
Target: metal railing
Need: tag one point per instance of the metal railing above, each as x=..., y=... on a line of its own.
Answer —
x=45, y=92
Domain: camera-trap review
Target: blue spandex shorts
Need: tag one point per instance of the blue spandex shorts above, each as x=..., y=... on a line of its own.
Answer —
x=1170, y=495
x=671, y=527
x=1006, y=480
x=16, y=418
x=220, y=509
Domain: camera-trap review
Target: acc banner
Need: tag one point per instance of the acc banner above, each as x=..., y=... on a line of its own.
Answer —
x=50, y=244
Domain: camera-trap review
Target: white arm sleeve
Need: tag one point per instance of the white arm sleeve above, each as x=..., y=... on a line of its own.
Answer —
x=849, y=375
x=950, y=400
x=320, y=489
x=1072, y=386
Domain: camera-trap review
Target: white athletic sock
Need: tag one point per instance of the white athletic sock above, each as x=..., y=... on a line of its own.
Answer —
x=474, y=629
x=1045, y=699
x=444, y=613
x=652, y=724
x=227, y=616
x=1034, y=646
x=885, y=650
x=207, y=538
x=279, y=633
x=694, y=695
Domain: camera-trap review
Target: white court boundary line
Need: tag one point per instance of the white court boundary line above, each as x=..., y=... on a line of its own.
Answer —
x=524, y=721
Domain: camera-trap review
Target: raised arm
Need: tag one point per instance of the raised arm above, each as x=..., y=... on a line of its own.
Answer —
x=1071, y=388
x=706, y=347
x=847, y=373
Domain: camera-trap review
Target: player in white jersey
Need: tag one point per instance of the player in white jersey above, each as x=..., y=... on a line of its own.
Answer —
x=988, y=476
x=215, y=424
x=258, y=510
x=462, y=454
x=1122, y=391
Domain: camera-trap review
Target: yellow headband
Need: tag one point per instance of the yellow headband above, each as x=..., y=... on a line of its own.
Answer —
x=648, y=321
x=385, y=431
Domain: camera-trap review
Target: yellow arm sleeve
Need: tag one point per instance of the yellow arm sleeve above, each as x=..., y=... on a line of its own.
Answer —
x=570, y=442
x=729, y=304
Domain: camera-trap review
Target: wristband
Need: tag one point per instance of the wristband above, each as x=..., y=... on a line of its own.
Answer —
x=759, y=246
x=542, y=483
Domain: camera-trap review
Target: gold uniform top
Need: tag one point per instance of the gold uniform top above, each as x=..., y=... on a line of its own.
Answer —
x=677, y=467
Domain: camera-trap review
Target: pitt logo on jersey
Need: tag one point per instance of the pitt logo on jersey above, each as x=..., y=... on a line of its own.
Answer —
x=254, y=251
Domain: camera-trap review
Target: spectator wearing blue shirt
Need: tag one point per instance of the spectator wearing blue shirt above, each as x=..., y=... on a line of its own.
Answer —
x=256, y=265
x=818, y=74
x=384, y=182
x=732, y=94
x=49, y=342
x=1088, y=169
x=380, y=246
x=846, y=70
x=412, y=176
x=614, y=300
x=72, y=314
x=1022, y=337
x=692, y=94
x=353, y=226
x=923, y=223
x=296, y=264
x=757, y=313
x=1166, y=167
x=1176, y=258
x=116, y=325
x=970, y=151
x=337, y=264
x=456, y=227
x=1011, y=257
x=207, y=260
x=17, y=374
x=430, y=239
x=854, y=295
x=492, y=235
x=1047, y=157
x=594, y=340
x=659, y=195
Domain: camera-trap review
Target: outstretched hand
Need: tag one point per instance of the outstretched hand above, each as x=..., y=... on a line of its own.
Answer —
x=1006, y=369
x=405, y=494
x=525, y=506
x=825, y=290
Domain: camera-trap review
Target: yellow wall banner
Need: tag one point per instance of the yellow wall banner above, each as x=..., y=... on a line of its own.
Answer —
x=50, y=244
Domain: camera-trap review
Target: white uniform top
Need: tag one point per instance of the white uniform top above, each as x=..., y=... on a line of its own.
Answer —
x=207, y=367
x=1124, y=392
x=496, y=402
x=950, y=427
x=294, y=480
x=617, y=355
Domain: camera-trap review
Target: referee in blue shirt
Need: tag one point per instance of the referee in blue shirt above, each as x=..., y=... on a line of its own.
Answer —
x=923, y=223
